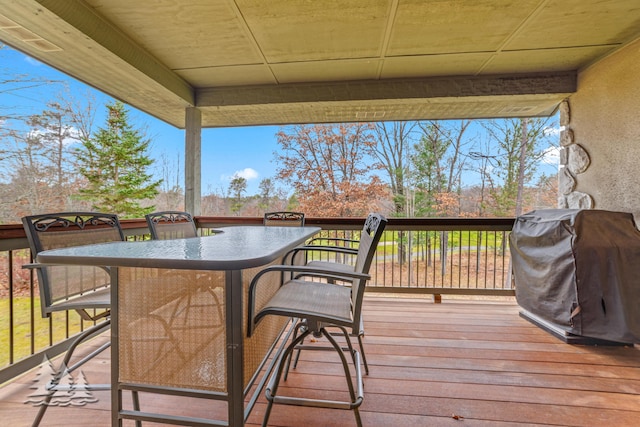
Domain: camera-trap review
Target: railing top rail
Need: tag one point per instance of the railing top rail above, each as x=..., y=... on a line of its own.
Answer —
x=355, y=223
x=16, y=231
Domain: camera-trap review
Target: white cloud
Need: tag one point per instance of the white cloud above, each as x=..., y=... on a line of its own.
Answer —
x=73, y=138
x=247, y=173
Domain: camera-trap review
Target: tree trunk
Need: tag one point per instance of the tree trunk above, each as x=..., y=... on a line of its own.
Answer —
x=521, y=167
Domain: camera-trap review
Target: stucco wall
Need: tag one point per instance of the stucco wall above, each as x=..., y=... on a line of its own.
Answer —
x=604, y=117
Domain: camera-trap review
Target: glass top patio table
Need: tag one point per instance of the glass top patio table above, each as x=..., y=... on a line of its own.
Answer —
x=179, y=312
x=233, y=248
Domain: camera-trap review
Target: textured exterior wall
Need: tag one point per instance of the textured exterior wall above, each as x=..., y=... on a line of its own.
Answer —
x=604, y=118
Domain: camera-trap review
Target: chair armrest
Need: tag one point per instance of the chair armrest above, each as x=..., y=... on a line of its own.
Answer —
x=329, y=248
x=35, y=265
x=330, y=274
x=332, y=239
x=334, y=249
x=304, y=271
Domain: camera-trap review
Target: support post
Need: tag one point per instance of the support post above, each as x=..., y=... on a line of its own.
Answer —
x=193, y=161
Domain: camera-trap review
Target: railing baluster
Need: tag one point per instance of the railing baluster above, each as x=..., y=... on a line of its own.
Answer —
x=32, y=313
x=11, y=307
x=495, y=257
x=468, y=257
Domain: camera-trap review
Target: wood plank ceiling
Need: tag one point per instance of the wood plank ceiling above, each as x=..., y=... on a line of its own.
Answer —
x=252, y=62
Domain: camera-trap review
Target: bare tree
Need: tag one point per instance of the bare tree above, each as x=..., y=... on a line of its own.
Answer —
x=271, y=197
x=19, y=86
x=39, y=158
x=23, y=157
x=439, y=159
x=171, y=194
x=393, y=149
x=330, y=168
x=517, y=146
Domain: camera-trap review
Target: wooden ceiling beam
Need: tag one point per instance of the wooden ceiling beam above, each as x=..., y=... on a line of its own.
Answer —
x=441, y=87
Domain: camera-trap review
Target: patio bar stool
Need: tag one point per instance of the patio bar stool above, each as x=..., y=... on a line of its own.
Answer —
x=85, y=289
x=317, y=305
x=371, y=233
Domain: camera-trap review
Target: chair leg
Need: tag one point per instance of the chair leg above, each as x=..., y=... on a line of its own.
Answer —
x=356, y=401
x=297, y=358
x=360, y=343
x=274, y=381
x=356, y=396
x=65, y=363
x=364, y=357
x=298, y=327
x=64, y=366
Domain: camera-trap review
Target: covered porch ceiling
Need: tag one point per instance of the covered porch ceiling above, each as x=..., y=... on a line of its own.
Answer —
x=255, y=62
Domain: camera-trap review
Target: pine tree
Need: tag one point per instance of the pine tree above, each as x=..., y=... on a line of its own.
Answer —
x=115, y=164
x=237, y=186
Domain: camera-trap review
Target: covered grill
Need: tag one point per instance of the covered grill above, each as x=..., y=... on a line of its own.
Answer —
x=578, y=271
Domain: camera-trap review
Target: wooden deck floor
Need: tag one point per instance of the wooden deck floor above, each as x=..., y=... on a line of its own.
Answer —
x=459, y=363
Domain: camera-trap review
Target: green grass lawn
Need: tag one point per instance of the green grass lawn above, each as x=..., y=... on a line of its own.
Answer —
x=22, y=333
x=469, y=240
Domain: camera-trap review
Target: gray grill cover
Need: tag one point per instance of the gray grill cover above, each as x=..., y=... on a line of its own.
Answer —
x=580, y=271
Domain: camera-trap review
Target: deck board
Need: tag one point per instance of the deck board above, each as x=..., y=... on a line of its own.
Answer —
x=459, y=363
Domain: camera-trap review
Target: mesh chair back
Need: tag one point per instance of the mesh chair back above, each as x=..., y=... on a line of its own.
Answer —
x=62, y=230
x=284, y=219
x=171, y=225
x=370, y=237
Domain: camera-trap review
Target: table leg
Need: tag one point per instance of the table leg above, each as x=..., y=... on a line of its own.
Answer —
x=235, y=339
x=116, y=394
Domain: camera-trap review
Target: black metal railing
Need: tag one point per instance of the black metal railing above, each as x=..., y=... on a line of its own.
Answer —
x=421, y=256
x=467, y=256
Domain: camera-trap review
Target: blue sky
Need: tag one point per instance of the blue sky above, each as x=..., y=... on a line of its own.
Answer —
x=247, y=151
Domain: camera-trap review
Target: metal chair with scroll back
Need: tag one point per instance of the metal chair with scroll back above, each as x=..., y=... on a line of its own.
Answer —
x=85, y=289
x=284, y=219
x=171, y=225
x=168, y=225
x=318, y=305
x=347, y=254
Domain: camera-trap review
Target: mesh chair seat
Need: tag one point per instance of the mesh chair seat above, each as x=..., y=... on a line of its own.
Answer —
x=312, y=300
x=98, y=299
